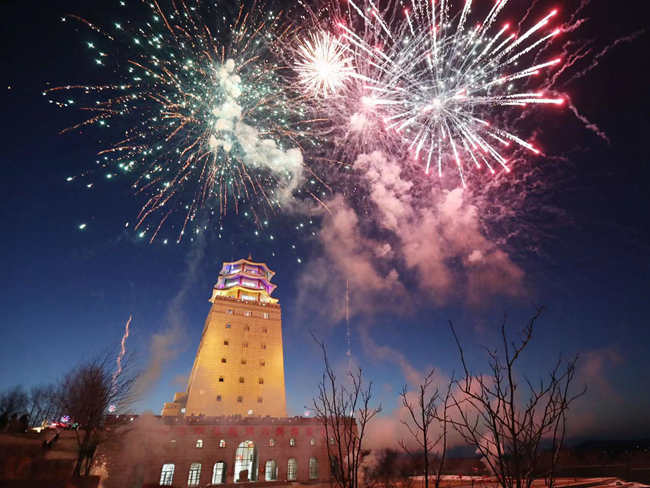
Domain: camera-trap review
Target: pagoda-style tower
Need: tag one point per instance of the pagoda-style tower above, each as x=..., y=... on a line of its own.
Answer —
x=239, y=366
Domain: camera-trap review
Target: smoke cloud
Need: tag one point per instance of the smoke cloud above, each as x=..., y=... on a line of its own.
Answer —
x=166, y=345
x=428, y=242
x=229, y=128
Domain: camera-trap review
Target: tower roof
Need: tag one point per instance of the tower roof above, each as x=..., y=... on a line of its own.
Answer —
x=246, y=280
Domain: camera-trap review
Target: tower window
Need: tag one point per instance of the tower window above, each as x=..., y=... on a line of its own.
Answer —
x=263, y=346
x=243, y=361
x=225, y=343
x=167, y=475
x=220, y=379
x=271, y=442
x=292, y=469
x=199, y=443
x=262, y=362
x=218, y=398
x=195, y=474
x=229, y=311
x=241, y=379
x=260, y=381
x=240, y=399
x=222, y=443
x=173, y=442
x=223, y=360
x=313, y=468
x=259, y=400
x=292, y=442
x=312, y=442
x=247, y=313
x=266, y=315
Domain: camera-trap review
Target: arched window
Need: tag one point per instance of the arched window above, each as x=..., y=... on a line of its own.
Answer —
x=222, y=443
x=246, y=460
x=199, y=443
x=194, y=477
x=313, y=468
x=292, y=469
x=312, y=442
x=167, y=475
x=219, y=473
x=271, y=442
x=271, y=470
x=292, y=442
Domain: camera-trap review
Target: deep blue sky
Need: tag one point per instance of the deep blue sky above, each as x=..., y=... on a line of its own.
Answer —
x=66, y=294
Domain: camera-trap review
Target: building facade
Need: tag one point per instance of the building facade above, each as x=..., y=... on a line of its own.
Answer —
x=205, y=451
x=230, y=425
x=239, y=365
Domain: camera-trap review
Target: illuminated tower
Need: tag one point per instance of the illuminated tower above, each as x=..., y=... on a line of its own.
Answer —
x=239, y=366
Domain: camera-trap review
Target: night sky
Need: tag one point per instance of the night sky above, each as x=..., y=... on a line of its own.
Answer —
x=66, y=292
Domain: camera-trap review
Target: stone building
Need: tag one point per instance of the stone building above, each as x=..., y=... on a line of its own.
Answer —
x=239, y=366
x=230, y=425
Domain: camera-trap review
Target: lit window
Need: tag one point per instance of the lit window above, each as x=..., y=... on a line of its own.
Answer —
x=227, y=326
x=266, y=315
x=292, y=442
x=225, y=343
x=240, y=399
x=262, y=362
x=199, y=443
x=223, y=360
x=259, y=400
x=247, y=313
x=218, y=398
x=313, y=468
x=167, y=475
x=219, y=473
x=271, y=470
x=222, y=443
x=260, y=381
x=243, y=361
x=312, y=442
x=263, y=346
x=271, y=442
x=331, y=441
x=220, y=379
x=241, y=379
x=292, y=469
x=173, y=442
x=195, y=475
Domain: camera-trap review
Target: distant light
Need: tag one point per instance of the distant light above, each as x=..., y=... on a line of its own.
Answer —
x=82, y=226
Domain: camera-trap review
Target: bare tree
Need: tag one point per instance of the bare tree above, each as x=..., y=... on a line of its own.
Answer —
x=508, y=421
x=344, y=411
x=42, y=404
x=430, y=410
x=12, y=402
x=85, y=394
x=390, y=469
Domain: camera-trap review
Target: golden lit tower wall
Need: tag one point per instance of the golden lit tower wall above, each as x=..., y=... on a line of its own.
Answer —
x=239, y=366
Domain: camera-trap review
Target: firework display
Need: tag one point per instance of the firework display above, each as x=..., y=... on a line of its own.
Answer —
x=433, y=80
x=204, y=117
x=224, y=108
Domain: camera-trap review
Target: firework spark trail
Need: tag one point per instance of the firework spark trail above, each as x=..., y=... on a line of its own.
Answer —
x=207, y=120
x=121, y=354
x=434, y=78
x=596, y=58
